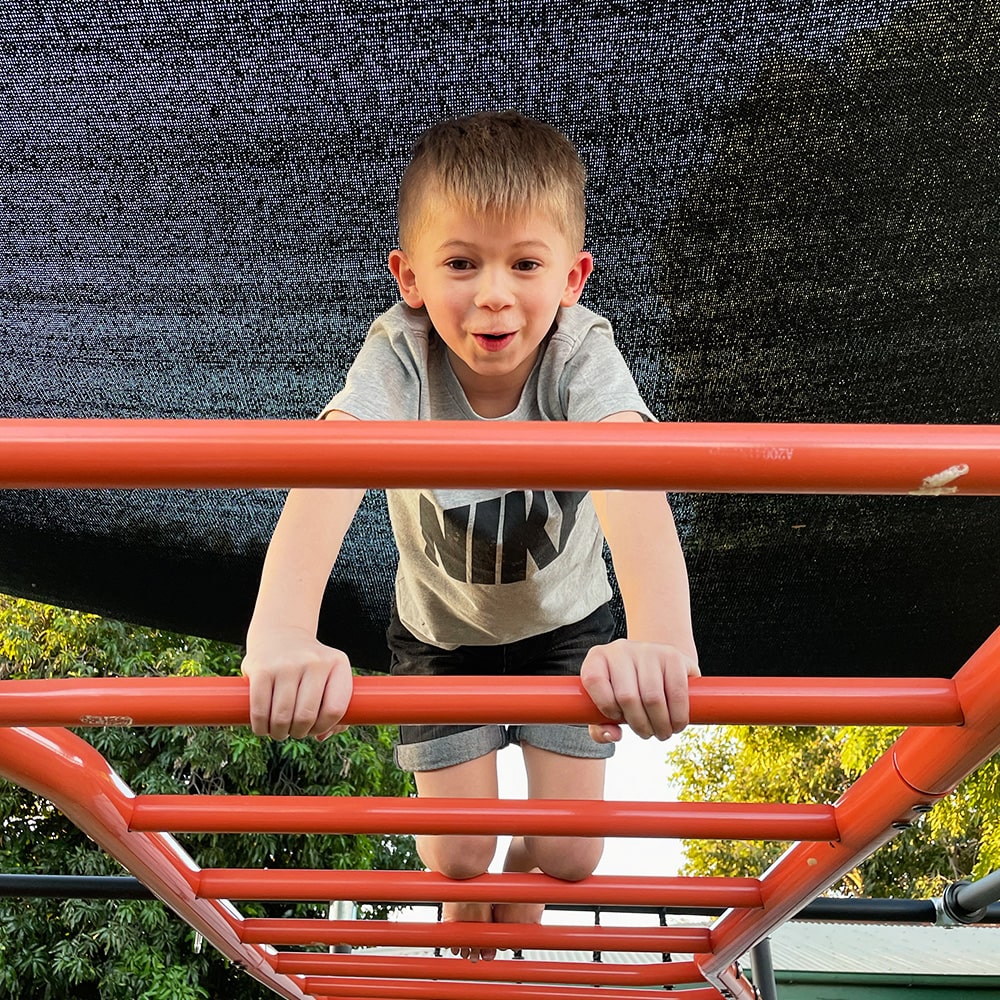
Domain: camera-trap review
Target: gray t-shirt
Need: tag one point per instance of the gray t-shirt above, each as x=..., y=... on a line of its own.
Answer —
x=485, y=567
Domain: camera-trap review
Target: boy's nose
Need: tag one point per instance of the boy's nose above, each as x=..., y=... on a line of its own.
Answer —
x=493, y=291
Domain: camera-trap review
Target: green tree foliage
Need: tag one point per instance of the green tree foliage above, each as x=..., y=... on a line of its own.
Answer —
x=139, y=949
x=957, y=839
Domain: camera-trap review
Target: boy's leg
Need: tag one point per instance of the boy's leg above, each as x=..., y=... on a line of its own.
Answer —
x=461, y=856
x=554, y=776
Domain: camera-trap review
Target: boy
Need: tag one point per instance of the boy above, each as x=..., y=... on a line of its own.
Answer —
x=490, y=269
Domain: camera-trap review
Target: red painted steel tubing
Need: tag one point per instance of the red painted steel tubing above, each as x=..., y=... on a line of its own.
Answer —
x=512, y=817
x=444, y=969
x=921, y=767
x=749, y=458
x=73, y=776
x=331, y=988
x=466, y=934
x=224, y=701
x=429, y=887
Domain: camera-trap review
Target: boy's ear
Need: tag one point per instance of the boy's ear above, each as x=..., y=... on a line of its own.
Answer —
x=577, y=278
x=405, y=278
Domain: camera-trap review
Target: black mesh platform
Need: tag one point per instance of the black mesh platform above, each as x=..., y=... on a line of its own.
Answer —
x=793, y=211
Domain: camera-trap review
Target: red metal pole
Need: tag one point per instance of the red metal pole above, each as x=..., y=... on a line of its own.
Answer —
x=510, y=817
x=618, y=975
x=330, y=988
x=747, y=458
x=224, y=701
x=465, y=934
x=429, y=887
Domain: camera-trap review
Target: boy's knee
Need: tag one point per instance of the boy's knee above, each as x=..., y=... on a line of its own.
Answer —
x=457, y=857
x=566, y=858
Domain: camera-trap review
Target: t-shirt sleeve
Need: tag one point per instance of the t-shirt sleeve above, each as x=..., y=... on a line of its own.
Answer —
x=383, y=383
x=596, y=382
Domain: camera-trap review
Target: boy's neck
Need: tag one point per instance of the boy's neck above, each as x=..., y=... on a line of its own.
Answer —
x=492, y=396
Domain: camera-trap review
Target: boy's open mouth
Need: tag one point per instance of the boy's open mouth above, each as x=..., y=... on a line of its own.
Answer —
x=493, y=341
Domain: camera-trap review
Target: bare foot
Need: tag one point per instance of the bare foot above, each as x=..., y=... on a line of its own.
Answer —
x=518, y=913
x=518, y=860
x=476, y=912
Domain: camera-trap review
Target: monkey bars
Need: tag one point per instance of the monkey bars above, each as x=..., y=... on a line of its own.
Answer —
x=953, y=725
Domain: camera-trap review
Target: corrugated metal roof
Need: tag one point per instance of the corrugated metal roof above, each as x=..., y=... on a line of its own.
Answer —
x=804, y=946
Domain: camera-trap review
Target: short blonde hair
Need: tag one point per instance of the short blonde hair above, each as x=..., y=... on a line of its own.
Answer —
x=501, y=163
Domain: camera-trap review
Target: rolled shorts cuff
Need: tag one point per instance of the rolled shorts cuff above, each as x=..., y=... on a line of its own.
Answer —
x=454, y=748
x=570, y=741
x=470, y=744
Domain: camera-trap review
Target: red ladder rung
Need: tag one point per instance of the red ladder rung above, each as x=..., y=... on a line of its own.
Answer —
x=503, y=817
x=225, y=701
x=430, y=887
x=502, y=970
x=466, y=934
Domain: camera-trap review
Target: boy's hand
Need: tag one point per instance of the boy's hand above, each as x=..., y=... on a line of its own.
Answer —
x=641, y=684
x=298, y=686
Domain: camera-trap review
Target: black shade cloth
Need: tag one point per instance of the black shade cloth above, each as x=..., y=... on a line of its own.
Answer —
x=793, y=208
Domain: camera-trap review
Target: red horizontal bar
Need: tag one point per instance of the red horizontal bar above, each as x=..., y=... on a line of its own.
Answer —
x=445, y=969
x=751, y=458
x=224, y=701
x=465, y=934
x=329, y=988
x=548, y=817
x=430, y=887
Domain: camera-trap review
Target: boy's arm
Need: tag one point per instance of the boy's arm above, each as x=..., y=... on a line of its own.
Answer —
x=298, y=686
x=643, y=680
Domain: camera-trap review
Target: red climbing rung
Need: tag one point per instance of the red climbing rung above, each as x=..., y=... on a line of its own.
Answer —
x=691, y=457
x=403, y=967
x=428, y=887
x=225, y=701
x=330, y=988
x=464, y=934
x=954, y=724
x=551, y=817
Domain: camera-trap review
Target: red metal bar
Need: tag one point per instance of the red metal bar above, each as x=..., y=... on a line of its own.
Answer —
x=429, y=887
x=73, y=776
x=442, y=969
x=330, y=988
x=549, y=817
x=747, y=458
x=921, y=767
x=465, y=934
x=224, y=701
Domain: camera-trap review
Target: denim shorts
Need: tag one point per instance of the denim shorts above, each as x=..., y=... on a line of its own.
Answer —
x=559, y=652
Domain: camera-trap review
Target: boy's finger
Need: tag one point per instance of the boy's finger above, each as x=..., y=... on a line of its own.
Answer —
x=284, y=702
x=308, y=698
x=261, y=687
x=606, y=733
x=596, y=678
x=631, y=694
x=678, y=700
x=335, y=699
x=655, y=699
x=679, y=691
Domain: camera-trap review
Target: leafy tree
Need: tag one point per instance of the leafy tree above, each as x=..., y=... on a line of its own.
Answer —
x=139, y=949
x=959, y=838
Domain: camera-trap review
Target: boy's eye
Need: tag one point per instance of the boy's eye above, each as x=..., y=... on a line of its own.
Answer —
x=527, y=265
x=458, y=264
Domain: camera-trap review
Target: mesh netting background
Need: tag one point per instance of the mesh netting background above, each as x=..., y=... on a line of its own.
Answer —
x=793, y=208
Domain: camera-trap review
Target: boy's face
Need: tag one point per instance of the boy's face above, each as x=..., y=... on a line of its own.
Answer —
x=491, y=288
